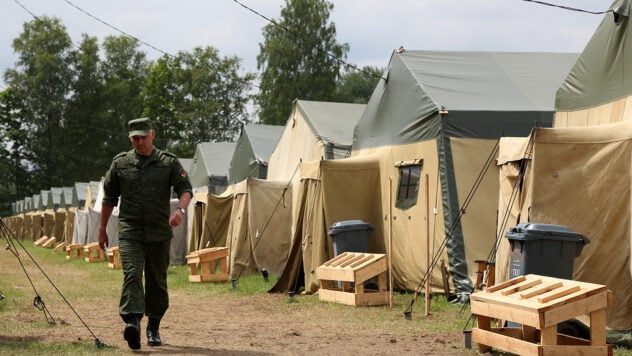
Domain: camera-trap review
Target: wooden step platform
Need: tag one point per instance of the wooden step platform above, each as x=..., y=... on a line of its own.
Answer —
x=114, y=260
x=539, y=304
x=337, y=275
x=204, y=263
x=74, y=251
x=93, y=253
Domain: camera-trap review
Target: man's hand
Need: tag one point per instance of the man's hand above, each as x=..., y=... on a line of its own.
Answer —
x=103, y=239
x=176, y=218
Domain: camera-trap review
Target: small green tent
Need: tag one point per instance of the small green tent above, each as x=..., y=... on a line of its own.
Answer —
x=252, y=152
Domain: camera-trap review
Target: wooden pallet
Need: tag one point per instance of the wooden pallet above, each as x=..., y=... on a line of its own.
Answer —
x=203, y=265
x=60, y=248
x=41, y=241
x=93, y=252
x=114, y=260
x=539, y=304
x=50, y=243
x=342, y=279
x=74, y=251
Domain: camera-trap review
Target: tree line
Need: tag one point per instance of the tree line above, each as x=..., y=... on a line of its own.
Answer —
x=64, y=112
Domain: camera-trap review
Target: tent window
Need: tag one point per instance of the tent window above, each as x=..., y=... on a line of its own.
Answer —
x=408, y=188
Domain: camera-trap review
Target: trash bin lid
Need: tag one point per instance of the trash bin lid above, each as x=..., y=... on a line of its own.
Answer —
x=536, y=231
x=349, y=225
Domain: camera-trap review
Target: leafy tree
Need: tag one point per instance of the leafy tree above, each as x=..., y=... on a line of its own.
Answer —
x=158, y=93
x=197, y=97
x=41, y=80
x=86, y=135
x=357, y=86
x=299, y=58
x=13, y=170
x=124, y=71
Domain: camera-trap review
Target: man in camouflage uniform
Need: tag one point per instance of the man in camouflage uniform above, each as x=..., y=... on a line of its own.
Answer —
x=142, y=178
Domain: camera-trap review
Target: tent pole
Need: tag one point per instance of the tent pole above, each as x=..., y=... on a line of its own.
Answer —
x=390, y=242
x=427, y=297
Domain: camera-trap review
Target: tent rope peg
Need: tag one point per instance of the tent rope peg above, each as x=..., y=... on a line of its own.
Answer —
x=12, y=250
x=100, y=344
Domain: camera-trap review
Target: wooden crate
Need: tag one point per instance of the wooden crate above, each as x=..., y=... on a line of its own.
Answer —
x=74, y=251
x=114, y=260
x=93, y=253
x=203, y=265
x=337, y=275
x=539, y=304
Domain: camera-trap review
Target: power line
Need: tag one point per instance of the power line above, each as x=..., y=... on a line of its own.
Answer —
x=568, y=7
x=331, y=55
x=39, y=20
x=125, y=34
x=142, y=41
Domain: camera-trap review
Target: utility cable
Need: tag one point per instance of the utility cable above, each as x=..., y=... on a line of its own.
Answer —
x=329, y=54
x=38, y=302
x=568, y=7
x=146, y=43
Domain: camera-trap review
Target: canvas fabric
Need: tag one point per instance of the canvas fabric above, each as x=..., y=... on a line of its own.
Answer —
x=259, y=232
x=581, y=178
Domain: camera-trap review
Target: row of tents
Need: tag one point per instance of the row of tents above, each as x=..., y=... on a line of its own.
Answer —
x=433, y=162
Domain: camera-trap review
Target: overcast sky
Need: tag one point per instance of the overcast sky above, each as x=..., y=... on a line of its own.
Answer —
x=372, y=28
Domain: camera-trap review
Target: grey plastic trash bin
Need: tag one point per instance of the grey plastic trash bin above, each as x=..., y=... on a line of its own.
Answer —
x=547, y=250
x=544, y=249
x=350, y=236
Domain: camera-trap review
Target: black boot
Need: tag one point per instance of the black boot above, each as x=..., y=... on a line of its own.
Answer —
x=153, y=336
x=132, y=331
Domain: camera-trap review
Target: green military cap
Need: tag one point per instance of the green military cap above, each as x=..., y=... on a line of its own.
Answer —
x=139, y=127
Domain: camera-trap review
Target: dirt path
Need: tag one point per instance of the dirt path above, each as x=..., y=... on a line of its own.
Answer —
x=206, y=323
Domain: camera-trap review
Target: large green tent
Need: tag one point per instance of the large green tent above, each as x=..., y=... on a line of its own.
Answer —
x=596, y=90
x=435, y=117
x=578, y=173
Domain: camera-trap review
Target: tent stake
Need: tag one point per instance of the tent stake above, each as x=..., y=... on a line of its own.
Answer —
x=427, y=298
x=390, y=242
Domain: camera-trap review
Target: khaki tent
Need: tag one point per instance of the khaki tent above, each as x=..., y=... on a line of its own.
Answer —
x=436, y=117
x=578, y=173
x=581, y=178
x=315, y=130
x=210, y=219
x=55, y=213
x=259, y=232
x=330, y=191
